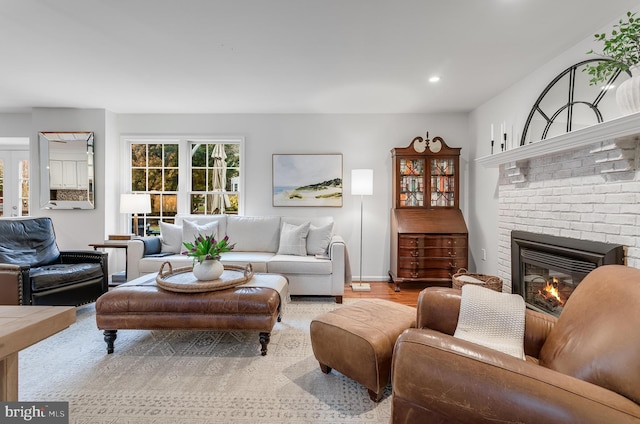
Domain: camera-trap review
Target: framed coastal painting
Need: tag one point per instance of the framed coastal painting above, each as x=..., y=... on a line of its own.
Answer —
x=307, y=180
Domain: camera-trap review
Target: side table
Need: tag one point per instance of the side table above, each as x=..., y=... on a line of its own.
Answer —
x=114, y=244
x=20, y=327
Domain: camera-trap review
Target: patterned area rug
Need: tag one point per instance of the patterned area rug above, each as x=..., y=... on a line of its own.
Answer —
x=184, y=377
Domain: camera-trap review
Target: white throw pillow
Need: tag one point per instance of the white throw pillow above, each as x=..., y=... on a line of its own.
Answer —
x=190, y=231
x=492, y=319
x=319, y=238
x=171, y=237
x=293, y=239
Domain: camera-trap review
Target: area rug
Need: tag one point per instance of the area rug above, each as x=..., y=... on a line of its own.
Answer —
x=193, y=377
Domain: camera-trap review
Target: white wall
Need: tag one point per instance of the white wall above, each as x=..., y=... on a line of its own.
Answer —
x=365, y=141
x=15, y=124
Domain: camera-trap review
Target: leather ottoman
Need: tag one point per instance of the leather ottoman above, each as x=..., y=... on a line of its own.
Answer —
x=358, y=340
x=141, y=304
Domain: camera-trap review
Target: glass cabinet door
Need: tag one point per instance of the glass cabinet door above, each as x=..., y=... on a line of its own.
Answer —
x=443, y=182
x=411, y=182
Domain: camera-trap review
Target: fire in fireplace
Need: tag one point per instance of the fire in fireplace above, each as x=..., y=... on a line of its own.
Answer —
x=546, y=269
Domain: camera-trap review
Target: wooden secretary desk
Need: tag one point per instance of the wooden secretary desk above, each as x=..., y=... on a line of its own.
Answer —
x=429, y=237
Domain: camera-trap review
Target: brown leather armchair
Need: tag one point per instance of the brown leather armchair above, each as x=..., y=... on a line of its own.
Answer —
x=583, y=367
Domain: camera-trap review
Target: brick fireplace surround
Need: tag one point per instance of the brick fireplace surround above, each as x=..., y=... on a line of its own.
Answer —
x=588, y=193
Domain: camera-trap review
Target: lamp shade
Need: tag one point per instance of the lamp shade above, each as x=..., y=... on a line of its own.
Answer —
x=362, y=182
x=135, y=203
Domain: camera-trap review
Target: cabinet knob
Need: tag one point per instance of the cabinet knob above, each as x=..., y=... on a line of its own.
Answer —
x=415, y=253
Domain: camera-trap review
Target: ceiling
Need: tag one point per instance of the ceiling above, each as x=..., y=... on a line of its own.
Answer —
x=281, y=56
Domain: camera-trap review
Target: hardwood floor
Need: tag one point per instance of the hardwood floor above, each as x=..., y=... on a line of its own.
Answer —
x=408, y=294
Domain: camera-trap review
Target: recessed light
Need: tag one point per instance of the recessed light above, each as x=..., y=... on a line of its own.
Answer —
x=434, y=79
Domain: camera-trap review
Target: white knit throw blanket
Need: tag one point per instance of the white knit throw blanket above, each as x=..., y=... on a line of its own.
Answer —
x=492, y=319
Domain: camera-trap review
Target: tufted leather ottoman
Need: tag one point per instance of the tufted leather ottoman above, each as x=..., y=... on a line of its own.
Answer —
x=141, y=304
x=358, y=340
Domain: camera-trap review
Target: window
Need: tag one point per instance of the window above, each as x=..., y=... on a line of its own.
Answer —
x=14, y=183
x=24, y=187
x=195, y=176
x=215, y=174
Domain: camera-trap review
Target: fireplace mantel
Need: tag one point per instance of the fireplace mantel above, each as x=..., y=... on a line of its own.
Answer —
x=625, y=128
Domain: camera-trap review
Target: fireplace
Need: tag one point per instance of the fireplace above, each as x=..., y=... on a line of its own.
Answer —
x=546, y=269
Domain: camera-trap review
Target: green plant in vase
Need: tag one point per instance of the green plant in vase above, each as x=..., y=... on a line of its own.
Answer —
x=621, y=48
x=206, y=251
x=207, y=248
x=621, y=52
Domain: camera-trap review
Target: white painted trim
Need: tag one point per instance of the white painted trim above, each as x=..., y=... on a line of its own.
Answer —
x=624, y=128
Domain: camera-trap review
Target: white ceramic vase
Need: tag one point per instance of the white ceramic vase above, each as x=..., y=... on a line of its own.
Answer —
x=628, y=93
x=208, y=270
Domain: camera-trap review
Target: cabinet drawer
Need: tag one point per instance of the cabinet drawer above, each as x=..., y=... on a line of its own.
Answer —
x=432, y=241
x=431, y=263
x=425, y=273
x=435, y=252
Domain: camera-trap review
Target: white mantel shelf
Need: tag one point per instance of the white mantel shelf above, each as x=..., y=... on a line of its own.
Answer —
x=624, y=128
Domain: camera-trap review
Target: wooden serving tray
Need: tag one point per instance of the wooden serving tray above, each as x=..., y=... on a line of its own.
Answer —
x=182, y=279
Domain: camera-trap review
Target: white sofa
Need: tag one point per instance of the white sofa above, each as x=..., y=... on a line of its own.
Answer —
x=305, y=250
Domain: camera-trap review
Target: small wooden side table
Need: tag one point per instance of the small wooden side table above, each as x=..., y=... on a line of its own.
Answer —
x=114, y=244
x=21, y=327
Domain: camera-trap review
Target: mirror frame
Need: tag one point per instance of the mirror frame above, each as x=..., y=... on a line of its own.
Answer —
x=574, y=95
x=45, y=142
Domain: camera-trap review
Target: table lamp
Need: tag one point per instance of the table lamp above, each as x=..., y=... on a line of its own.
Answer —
x=135, y=204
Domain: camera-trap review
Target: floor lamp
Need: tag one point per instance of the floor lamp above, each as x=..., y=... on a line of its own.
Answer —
x=135, y=204
x=361, y=184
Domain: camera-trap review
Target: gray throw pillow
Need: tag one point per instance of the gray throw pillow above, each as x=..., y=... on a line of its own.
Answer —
x=293, y=239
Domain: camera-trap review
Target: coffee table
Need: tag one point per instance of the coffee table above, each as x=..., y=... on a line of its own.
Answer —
x=21, y=327
x=140, y=304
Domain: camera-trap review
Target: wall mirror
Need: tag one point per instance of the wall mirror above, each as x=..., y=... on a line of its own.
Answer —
x=569, y=103
x=66, y=170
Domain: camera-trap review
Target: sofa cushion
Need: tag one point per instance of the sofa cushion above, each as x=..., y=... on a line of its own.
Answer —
x=171, y=237
x=191, y=230
x=221, y=219
x=320, y=232
x=293, y=239
x=254, y=233
x=288, y=264
x=258, y=260
x=152, y=245
x=319, y=238
x=56, y=275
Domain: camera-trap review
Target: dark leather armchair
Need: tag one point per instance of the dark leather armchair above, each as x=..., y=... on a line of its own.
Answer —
x=33, y=271
x=583, y=367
